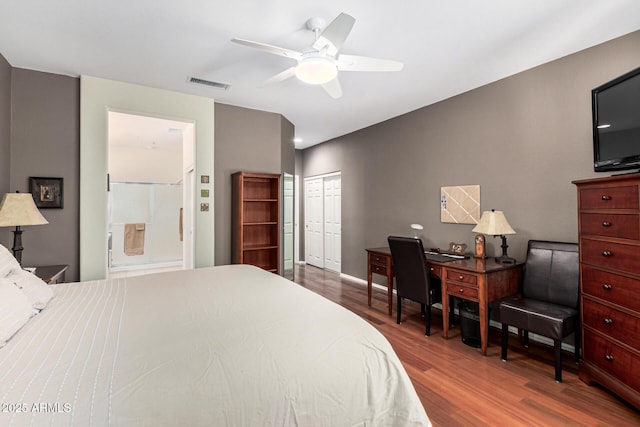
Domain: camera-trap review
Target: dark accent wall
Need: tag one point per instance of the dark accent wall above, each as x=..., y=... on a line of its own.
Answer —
x=523, y=139
x=5, y=123
x=245, y=140
x=45, y=142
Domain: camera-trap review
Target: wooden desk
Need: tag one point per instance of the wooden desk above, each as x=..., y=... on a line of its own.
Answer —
x=482, y=281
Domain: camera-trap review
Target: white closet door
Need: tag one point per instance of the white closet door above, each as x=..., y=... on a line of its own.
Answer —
x=332, y=223
x=313, y=222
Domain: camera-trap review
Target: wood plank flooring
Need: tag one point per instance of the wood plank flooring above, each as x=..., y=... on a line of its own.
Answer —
x=460, y=387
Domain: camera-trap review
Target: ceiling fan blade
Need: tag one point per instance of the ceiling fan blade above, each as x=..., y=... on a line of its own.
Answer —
x=333, y=88
x=287, y=53
x=365, y=63
x=288, y=73
x=334, y=35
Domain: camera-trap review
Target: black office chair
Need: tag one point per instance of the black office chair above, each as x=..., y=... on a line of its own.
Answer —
x=413, y=276
x=549, y=302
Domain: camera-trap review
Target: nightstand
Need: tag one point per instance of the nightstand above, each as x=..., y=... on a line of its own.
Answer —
x=51, y=274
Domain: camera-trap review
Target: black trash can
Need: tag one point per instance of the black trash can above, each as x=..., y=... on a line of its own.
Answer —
x=469, y=323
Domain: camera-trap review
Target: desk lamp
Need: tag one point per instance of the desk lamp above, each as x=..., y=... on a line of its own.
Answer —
x=495, y=223
x=417, y=228
x=17, y=210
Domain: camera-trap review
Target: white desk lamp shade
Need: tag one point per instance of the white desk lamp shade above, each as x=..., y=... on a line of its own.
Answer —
x=18, y=209
x=493, y=223
x=417, y=228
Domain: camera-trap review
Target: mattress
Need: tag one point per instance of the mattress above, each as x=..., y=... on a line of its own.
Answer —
x=219, y=346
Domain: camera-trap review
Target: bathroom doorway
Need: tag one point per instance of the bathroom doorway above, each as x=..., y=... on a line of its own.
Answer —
x=150, y=194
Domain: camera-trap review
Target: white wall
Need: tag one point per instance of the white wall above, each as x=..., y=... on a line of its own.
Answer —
x=97, y=98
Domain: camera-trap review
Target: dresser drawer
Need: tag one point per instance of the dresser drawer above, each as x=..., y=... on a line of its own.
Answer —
x=617, y=289
x=611, y=225
x=613, y=359
x=616, y=324
x=466, y=292
x=612, y=255
x=623, y=197
x=462, y=277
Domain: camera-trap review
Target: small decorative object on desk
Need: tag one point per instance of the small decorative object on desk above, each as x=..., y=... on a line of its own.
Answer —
x=480, y=246
x=457, y=248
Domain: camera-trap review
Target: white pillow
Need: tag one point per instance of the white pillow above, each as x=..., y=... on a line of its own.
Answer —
x=8, y=263
x=15, y=310
x=37, y=292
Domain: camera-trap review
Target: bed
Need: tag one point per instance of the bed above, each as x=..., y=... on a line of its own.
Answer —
x=219, y=346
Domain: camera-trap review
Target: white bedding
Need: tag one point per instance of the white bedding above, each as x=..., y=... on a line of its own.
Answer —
x=221, y=346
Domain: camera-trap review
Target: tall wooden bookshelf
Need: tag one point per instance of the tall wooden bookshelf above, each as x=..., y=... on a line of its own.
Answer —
x=256, y=220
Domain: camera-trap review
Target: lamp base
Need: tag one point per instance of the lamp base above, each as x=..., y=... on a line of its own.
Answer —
x=17, y=244
x=504, y=259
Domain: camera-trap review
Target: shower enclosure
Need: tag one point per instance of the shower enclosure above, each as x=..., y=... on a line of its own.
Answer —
x=153, y=208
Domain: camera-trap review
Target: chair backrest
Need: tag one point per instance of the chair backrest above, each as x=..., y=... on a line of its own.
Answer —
x=410, y=268
x=552, y=272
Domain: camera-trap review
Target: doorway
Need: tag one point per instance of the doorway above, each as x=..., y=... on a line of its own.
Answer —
x=150, y=194
x=323, y=221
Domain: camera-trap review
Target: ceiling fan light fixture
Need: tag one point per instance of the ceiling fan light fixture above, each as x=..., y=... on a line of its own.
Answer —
x=316, y=70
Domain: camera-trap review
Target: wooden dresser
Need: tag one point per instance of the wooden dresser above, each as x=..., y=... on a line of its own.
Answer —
x=609, y=234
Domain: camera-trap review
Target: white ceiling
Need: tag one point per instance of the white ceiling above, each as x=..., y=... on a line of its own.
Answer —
x=447, y=47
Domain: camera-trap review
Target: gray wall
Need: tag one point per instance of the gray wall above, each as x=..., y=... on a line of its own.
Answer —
x=45, y=142
x=245, y=140
x=523, y=139
x=5, y=123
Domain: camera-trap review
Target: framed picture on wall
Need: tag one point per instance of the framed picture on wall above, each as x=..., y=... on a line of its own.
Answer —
x=46, y=192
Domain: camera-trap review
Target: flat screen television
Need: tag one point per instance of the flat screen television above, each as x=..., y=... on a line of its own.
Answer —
x=616, y=123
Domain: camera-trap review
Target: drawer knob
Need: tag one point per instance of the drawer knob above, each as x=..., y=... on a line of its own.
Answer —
x=461, y=291
x=605, y=197
x=608, y=357
x=460, y=277
x=606, y=224
x=606, y=287
x=606, y=253
x=607, y=321
x=431, y=269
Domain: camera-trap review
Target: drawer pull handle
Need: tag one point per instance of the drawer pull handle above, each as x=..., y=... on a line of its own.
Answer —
x=606, y=224
x=608, y=357
x=460, y=277
x=461, y=291
x=431, y=269
x=605, y=197
x=607, y=321
x=606, y=253
x=606, y=287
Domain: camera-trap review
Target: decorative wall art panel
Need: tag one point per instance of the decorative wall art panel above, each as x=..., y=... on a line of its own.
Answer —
x=460, y=204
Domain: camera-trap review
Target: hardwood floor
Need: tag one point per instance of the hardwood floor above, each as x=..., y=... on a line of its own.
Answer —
x=460, y=387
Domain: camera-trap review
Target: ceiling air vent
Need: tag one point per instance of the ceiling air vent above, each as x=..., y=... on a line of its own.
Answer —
x=218, y=85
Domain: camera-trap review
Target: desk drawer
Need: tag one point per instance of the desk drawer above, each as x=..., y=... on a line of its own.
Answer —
x=611, y=255
x=613, y=323
x=613, y=359
x=462, y=291
x=436, y=271
x=623, y=197
x=611, y=225
x=379, y=269
x=617, y=289
x=379, y=260
x=462, y=277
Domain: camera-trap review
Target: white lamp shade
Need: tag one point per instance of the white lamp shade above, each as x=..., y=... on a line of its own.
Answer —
x=18, y=209
x=493, y=223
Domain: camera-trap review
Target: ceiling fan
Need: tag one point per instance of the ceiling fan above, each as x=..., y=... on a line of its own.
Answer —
x=320, y=64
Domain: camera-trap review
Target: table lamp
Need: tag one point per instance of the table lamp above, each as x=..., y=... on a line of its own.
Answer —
x=17, y=210
x=495, y=223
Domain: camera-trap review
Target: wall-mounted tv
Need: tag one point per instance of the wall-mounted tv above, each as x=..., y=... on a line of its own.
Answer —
x=616, y=123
